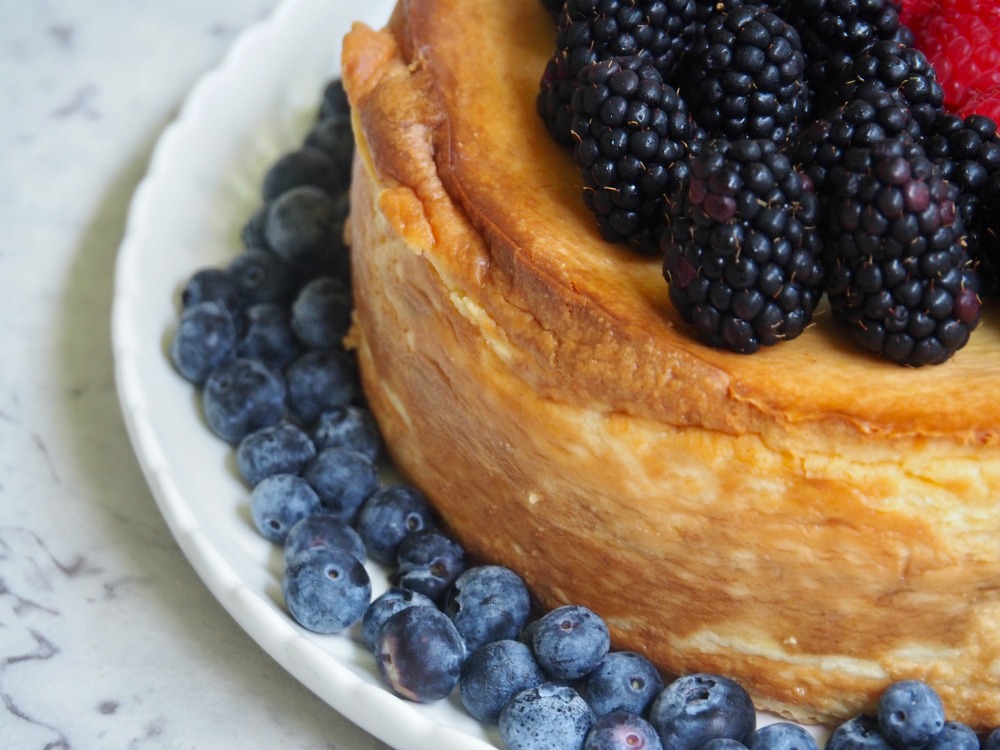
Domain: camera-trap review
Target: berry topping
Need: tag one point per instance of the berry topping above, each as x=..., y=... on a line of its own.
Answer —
x=633, y=135
x=744, y=76
x=900, y=278
x=742, y=254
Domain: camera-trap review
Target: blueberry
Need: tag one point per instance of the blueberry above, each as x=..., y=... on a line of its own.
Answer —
x=321, y=313
x=781, y=736
x=334, y=99
x=388, y=515
x=622, y=730
x=205, y=340
x=495, y=673
x=419, y=654
x=267, y=335
x=910, y=714
x=385, y=606
x=333, y=136
x=488, y=603
x=348, y=426
x=860, y=733
x=954, y=736
x=429, y=561
x=280, y=501
x=326, y=589
x=547, y=717
x=342, y=479
x=698, y=707
x=570, y=641
x=992, y=740
x=305, y=226
x=280, y=449
x=303, y=166
x=263, y=277
x=623, y=681
x=213, y=285
x=320, y=380
x=323, y=529
x=723, y=743
x=252, y=233
x=241, y=397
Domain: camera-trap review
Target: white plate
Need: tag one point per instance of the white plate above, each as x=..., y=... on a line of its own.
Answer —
x=203, y=183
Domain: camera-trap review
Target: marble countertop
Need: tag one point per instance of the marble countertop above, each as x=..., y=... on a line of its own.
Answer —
x=108, y=639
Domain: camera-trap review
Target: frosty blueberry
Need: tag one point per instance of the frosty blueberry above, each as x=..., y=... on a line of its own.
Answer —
x=280, y=449
x=954, y=736
x=488, y=603
x=388, y=515
x=546, y=717
x=860, y=733
x=781, y=736
x=623, y=681
x=420, y=654
x=342, y=479
x=267, y=335
x=205, y=340
x=305, y=226
x=322, y=529
x=570, y=641
x=303, y=166
x=280, y=501
x=429, y=561
x=242, y=396
x=349, y=426
x=263, y=277
x=326, y=589
x=698, y=707
x=622, y=730
x=495, y=673
x=321, y=313
x=910, y=713
x=333, y=136
x=385, y=606
x=320, y=380
x=213, y=285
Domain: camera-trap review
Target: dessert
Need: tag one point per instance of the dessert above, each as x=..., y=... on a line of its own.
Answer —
x=812, y=521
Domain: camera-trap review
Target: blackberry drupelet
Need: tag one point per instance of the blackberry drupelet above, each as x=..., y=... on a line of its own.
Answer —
x=742, y=252
x=893, y=67
x=967, y=153
x=867, y=119
x=833, y=32
x=898, y=274
x=589, y=31
x=744, y=77
x=633, y=138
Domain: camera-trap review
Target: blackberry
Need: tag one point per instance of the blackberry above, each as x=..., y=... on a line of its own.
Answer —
x=871, y=117
x=589, y=31
x=967, y=153
x=834, y=32
x=893, y=67
x=743, y=77
x=634, y=135
x=742, y=253
x=898, y=274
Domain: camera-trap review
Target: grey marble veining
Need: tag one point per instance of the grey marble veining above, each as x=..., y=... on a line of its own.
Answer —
x=107, y=637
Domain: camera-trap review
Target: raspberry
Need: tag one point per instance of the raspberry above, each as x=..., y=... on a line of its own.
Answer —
x=961, y=38
x=983, y=103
